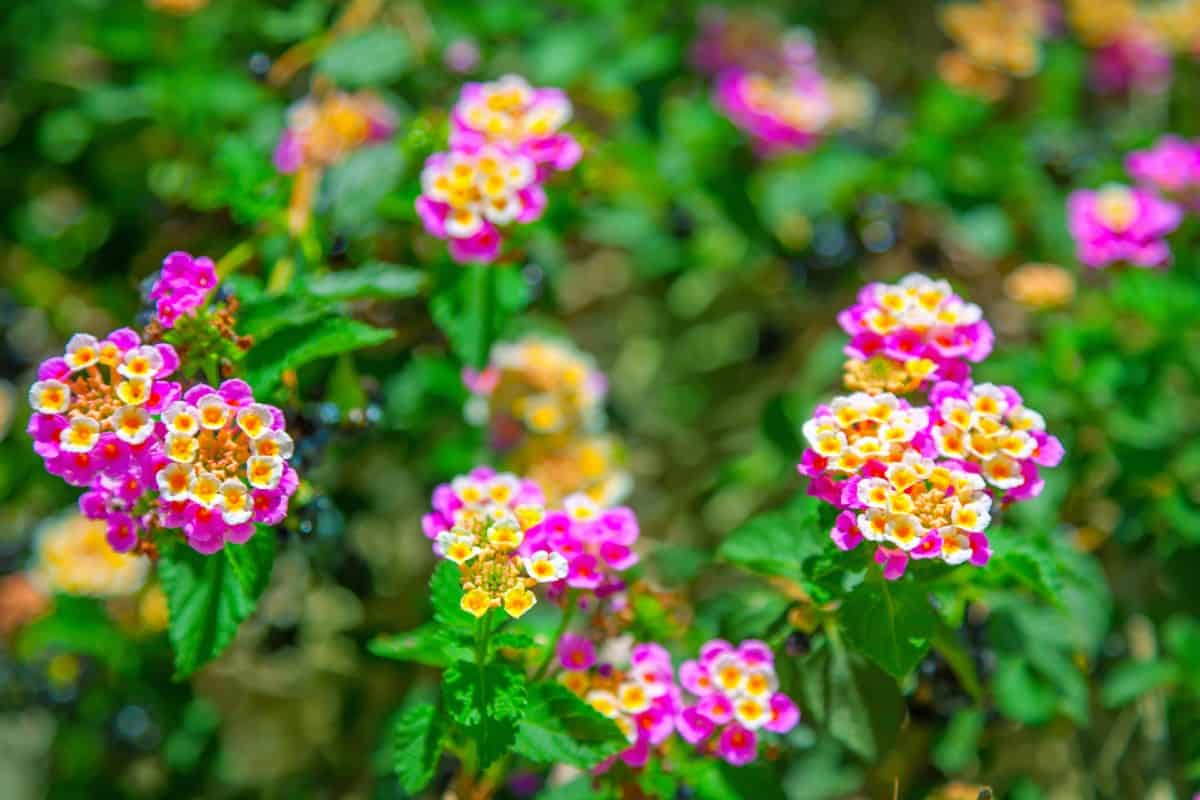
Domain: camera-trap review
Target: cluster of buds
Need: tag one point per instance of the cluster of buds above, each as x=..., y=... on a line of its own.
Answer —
x=642, y=700
x=919, y=481
x=543, y=402
x=995, y=41
x=321, y=131
x=186, y=315
x=210, y=461
x=736, y=699
x=917, y=328
x=505, y=142
x=595, y=543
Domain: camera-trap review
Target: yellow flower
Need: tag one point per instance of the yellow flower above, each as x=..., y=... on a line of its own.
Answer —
x=517, y=601
x=476, y=602
x=73, y=557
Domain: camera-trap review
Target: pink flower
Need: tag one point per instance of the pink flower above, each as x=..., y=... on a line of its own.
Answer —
x=1172, y=166
x=737, y=745
x=893, y=560
x=779, y=115
x=845, y=533
x=784, y=714
x=1119, y=224
x=1137, y=60
x=576, y=652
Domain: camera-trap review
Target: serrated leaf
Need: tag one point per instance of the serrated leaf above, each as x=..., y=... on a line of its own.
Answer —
x=417, y=738
x=776, y=543
x=854, y=700
x=376, y=280
x=559, y=728
x=890, y=622
x=297, y=345
x=488, y=702
x=445, y=591
x=512, y=640
x=208, y=597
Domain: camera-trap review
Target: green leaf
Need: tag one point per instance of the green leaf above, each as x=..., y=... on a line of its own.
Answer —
x=960, y=743
x=778, y=542
x=209, y=596
x=369, y=58
x=1132, y=679
x=475, y=308
x=488, y=702
x=445, y=590
x=376, y=280
x=297, y=345
x=418, y=738
x=860, y=706
x=430, y=644
x=559, y=728
x=890, y=622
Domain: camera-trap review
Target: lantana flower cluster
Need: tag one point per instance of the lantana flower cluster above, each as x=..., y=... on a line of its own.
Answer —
x=767, y=84
x=506, y=140
x=643, y=699
x=920, y=481
x=596, y=544
x=321, y=131
x=995, y=41
x=736, y=699
x=543, y=403
x=905, y=334
x=480, y=522
x=209, y=461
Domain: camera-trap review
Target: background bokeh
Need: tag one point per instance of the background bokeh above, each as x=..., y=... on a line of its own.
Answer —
x=702, y=279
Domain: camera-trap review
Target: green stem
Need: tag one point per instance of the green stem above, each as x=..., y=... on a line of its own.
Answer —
x=212, y=372
x=569, y=606
x=483, y=290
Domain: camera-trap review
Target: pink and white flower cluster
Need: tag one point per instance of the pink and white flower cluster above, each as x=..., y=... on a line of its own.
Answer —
x=107, y=418
x=642, y=700
x=183, y=286
x=736, y=699
x=920, y=481
x=767, y=83
x=505, y=142
x=987, y=429
x=1119, y=224
x=596, y=542
x=917, y=322
x=480, y=490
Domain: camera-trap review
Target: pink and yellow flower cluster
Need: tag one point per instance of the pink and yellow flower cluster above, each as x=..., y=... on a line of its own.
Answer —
x=736, y=699
x=920, y=481
x=208, y=461
x=506, y=140
x=919, y=324
x=642, y=700
x=543, y=402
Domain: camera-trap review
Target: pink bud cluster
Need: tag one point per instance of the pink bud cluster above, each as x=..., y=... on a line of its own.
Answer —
x=921, y=481
x=736, y=699
x=642, y=700
x=505, y=142
x=1119, y=224
x=183, y=286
